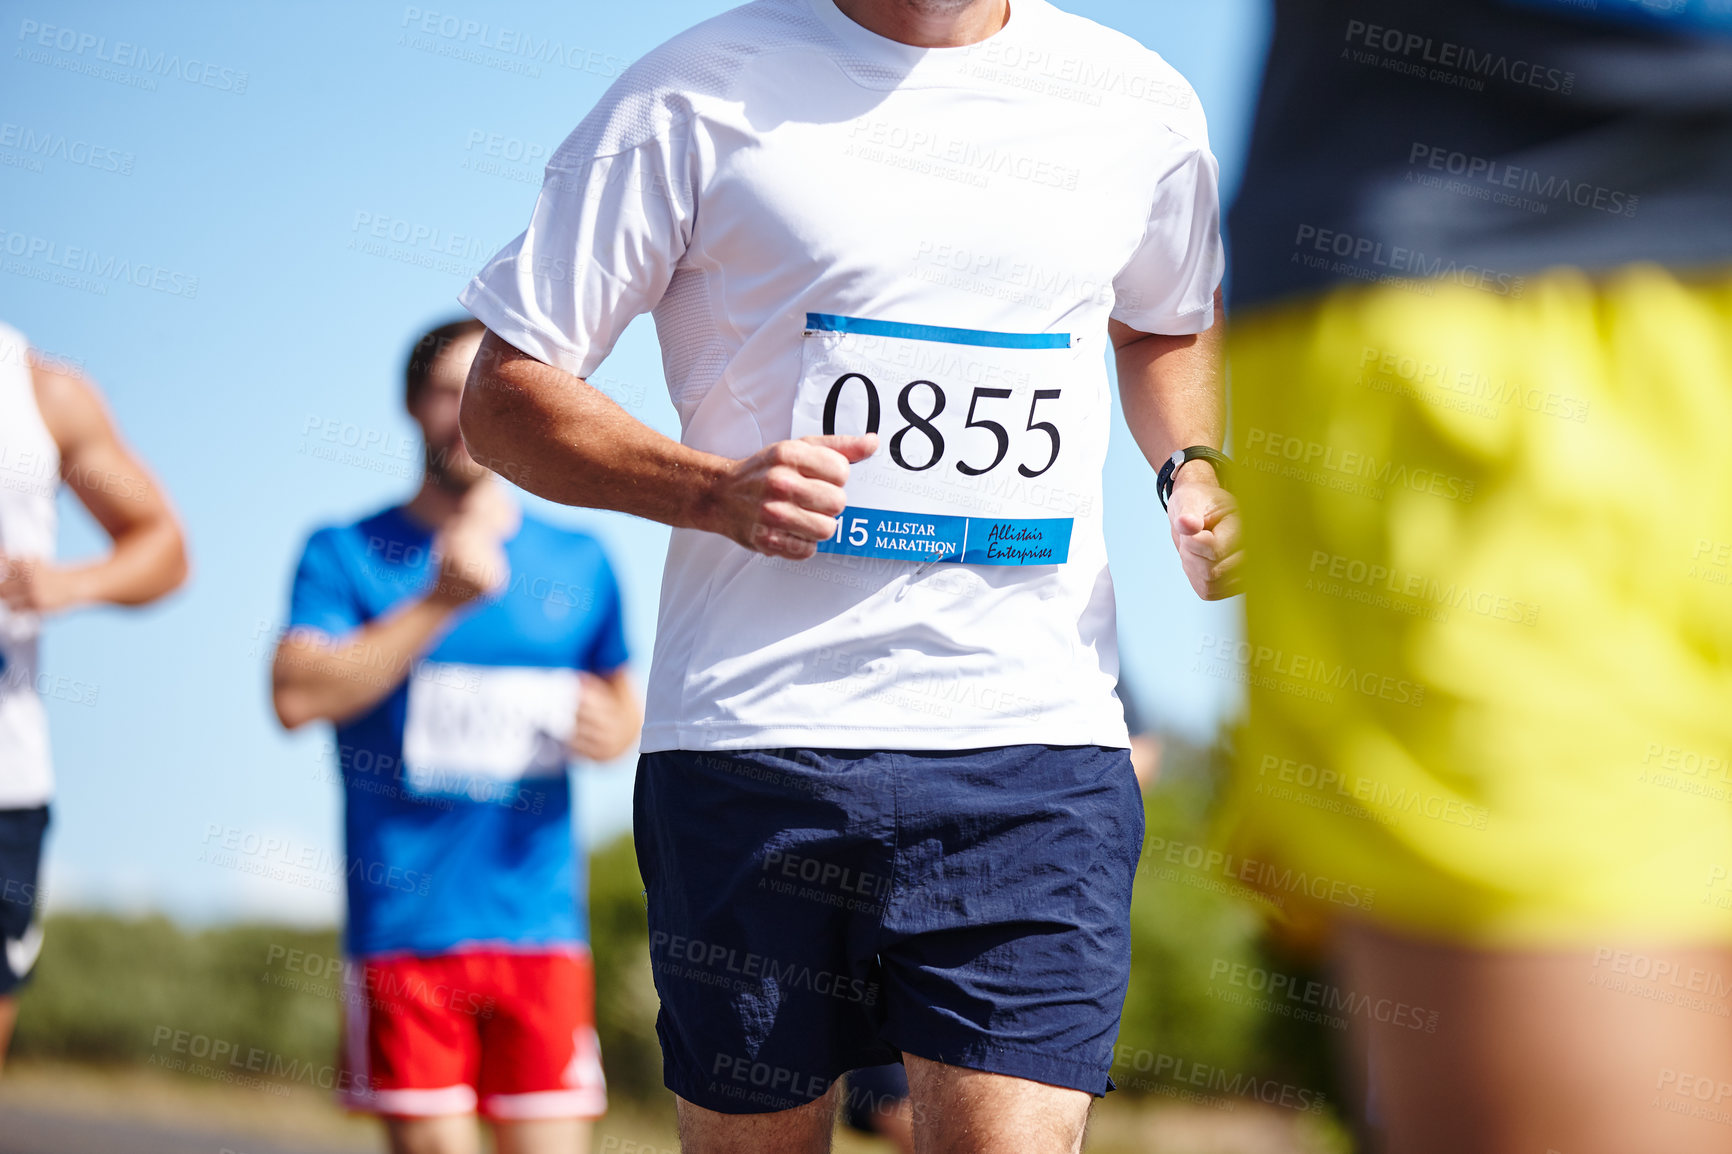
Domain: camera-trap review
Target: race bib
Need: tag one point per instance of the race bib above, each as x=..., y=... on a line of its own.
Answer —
x=470, y=724
x=980, y=458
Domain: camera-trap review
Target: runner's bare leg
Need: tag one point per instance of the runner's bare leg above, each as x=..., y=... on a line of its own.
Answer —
x=450, y=1134
x=542, y=1136
x=803, y=1130
x=1538, y=1051
x=958, y=1111
x=8, y=1019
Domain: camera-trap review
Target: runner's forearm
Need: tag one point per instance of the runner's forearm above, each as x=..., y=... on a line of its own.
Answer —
x=148, y=561
x=1170, y=388
x=557, y=436
x=315, y=678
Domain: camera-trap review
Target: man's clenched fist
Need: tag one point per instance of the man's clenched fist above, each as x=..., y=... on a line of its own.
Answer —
x=785, y=499
x=32, y=585
x=1204, y=519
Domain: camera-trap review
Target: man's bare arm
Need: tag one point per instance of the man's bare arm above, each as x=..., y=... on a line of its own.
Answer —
x=316, y=677
x=148, y=559
x=1170, y=388
x=555, y=435
x=609, y=716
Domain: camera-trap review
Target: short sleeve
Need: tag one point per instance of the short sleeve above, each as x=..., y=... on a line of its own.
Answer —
x=322, y=597
x=606, y=651
x=612, y=221
x=1168, y=286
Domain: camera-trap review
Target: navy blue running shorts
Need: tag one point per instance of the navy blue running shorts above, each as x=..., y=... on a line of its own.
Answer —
x=21, y=835
x=816, y=911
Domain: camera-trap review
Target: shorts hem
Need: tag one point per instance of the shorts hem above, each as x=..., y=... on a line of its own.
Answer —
x=753, y=1101
x=442, y=1102
x=1087, y=1077
x=585, y=1105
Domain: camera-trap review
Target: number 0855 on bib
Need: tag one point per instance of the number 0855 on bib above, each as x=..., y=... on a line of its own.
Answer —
x=977, y=432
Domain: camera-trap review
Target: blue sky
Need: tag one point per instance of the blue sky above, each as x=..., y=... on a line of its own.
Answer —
x=281, y=197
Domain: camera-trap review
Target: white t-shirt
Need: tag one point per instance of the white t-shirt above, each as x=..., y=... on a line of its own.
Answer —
x=833, y=228
x=29, y=479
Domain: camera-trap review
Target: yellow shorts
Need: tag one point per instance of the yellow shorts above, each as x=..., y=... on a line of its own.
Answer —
x=1489, y=618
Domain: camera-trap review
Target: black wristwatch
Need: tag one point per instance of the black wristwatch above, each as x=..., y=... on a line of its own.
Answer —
x=1170, y=467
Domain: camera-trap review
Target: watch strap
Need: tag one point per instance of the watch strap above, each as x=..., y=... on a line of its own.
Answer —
x=1169, y=473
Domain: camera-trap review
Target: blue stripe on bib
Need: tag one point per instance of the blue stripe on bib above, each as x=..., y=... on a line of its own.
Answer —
x=830, y=323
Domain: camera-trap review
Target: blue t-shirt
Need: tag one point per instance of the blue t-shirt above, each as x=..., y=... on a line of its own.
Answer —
x=456, y=794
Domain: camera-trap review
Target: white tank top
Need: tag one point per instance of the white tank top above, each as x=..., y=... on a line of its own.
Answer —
x=29, y=478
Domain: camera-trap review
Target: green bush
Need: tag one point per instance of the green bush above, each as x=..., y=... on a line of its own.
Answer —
x=117, y=990
x=1182, y=924
x=1186, y=1027
x=625, y=996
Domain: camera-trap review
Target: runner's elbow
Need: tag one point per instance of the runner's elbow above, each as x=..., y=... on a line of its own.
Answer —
x=291, y=699
x=292, y=707
x=481, y=413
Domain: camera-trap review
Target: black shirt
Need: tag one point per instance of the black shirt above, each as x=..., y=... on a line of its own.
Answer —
x=1482, y=141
